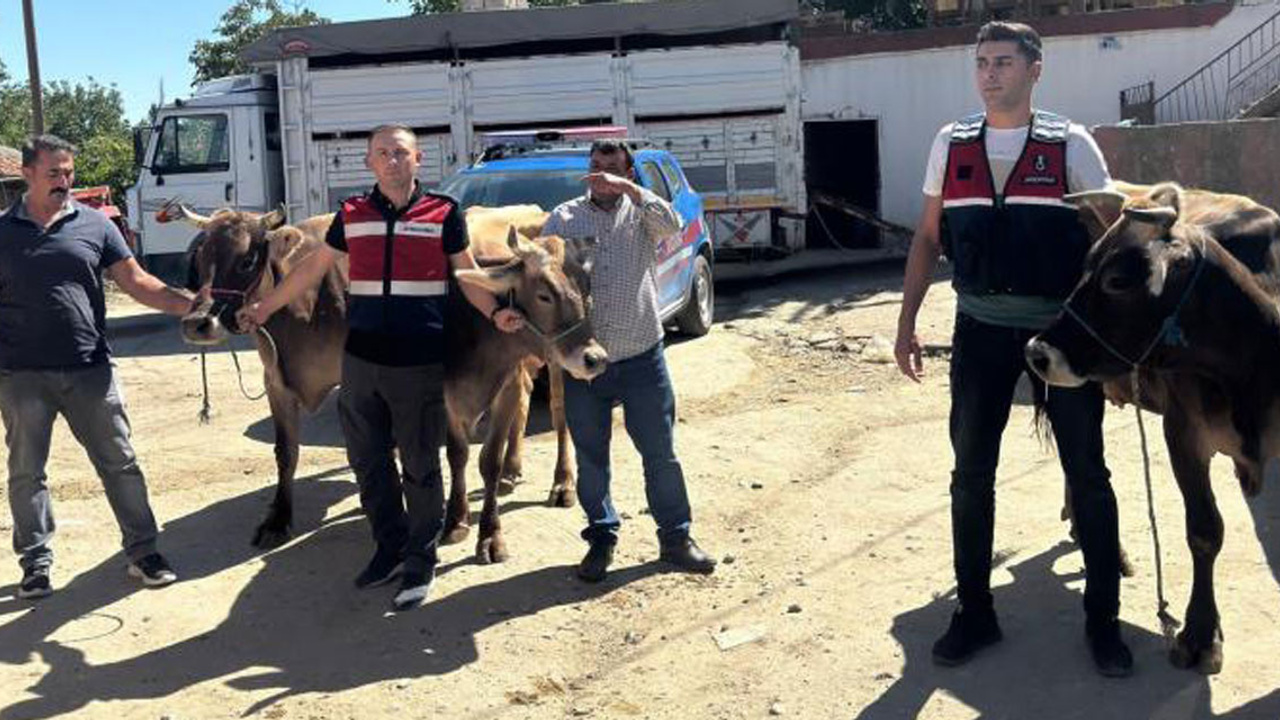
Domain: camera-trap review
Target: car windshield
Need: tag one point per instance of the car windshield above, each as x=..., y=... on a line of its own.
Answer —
x=546, y=189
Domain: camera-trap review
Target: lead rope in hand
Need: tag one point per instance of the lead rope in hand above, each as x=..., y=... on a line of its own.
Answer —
x=1168, y=623
x=205, y=409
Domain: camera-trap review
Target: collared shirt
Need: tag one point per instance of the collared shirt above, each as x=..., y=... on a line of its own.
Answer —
x=20, y=209
x=624, y=289
x=52, y=307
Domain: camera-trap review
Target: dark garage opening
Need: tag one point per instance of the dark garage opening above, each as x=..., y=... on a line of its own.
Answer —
x=842, y=159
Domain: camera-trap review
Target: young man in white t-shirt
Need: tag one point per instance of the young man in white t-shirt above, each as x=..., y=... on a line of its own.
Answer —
x=993, y=203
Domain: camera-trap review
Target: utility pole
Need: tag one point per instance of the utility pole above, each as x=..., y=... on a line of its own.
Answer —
x=33, y=70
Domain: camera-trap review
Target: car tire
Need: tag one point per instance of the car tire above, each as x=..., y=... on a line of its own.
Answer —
x=696, y=316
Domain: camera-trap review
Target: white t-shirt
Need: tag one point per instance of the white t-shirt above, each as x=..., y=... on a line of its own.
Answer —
x=1086, y=168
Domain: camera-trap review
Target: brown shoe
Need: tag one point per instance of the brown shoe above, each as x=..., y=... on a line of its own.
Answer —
x=686, y=555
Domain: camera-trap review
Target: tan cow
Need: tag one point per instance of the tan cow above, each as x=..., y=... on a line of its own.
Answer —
x=239, y=255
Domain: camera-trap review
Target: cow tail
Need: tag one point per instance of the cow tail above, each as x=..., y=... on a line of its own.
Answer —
x=1041, y=427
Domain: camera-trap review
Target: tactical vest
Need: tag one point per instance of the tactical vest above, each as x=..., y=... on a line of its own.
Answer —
x=1025, y=240
x=399, y=271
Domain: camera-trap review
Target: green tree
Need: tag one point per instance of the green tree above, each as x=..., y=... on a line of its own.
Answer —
x=242, y=24
x=875, y=14
x=88, y=114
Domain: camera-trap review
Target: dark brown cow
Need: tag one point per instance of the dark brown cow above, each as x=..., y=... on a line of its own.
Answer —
x=1181, y=288
x=241, y=255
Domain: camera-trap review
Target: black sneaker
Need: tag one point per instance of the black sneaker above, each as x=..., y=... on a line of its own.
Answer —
x=35, y=583
x=686, y=555
x=153, y=571
x=1111, y=656
x=969, y=632
x=381, y=569
x=415, y=587
x=595, y=564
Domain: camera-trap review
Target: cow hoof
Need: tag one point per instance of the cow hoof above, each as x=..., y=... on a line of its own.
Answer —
x=1126, y=567
x=1207, y=661
x=507, y=484
x=561, y=497
x=455, y=535
x=268, y=536
x=1211, y=659
x=491, y=550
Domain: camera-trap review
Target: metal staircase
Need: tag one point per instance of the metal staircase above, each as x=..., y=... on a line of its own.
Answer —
x=1241, y=81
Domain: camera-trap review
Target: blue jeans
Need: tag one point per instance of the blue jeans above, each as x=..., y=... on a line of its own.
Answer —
x=90, y=401
x=986, y=362
x=643, y=387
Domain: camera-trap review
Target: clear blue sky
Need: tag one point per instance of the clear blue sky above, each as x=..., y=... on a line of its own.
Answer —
x=134, y=44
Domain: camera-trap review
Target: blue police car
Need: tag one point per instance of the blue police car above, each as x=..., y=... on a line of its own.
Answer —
x=545, y=168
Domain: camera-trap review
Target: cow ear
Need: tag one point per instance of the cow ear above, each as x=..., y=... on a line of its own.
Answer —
x=1099, y=210
x=513, y=238
x=497, y=280
x=273, y=219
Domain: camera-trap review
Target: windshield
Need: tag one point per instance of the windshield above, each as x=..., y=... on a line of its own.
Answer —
x=546, y=188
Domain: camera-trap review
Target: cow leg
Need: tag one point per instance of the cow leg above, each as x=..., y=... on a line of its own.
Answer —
x=275, y=529
x=1068, y=515
x=520, y=388
x=1199, y=644
x=457, y=521
x=563, y=490
x=490, y=546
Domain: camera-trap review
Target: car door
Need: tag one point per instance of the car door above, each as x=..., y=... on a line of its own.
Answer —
x=672, y=274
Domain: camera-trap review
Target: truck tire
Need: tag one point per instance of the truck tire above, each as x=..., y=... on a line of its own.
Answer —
x=696, y=316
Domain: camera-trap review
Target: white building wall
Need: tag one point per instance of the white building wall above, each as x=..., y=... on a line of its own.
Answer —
x=914, y=93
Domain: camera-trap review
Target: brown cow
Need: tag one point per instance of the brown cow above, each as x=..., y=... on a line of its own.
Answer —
x=240, y=255
x=1182, y=290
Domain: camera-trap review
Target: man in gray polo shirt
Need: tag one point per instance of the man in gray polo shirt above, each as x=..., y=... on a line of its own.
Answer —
x=54, y=359
x=627, y=222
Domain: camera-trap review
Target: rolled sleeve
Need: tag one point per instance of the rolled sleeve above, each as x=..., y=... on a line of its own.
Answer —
x=657, y=217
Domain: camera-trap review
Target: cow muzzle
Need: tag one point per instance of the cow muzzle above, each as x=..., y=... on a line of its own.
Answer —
x=201, y=327
x=586, y=362
x=1051, y=365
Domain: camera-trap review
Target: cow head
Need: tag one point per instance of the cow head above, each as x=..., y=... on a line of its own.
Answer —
x=1135, y=277
x=549, y=280
x=228, y=262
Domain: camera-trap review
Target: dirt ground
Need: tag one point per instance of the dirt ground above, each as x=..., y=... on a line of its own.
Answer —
x=818, y=476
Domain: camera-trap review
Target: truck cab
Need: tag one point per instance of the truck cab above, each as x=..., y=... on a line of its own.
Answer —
x=221, y=148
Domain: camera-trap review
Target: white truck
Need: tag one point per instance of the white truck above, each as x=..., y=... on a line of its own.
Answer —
x=715, y=82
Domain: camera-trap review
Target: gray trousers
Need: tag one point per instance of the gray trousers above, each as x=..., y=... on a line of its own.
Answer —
x=90, y=401
x=387, y=409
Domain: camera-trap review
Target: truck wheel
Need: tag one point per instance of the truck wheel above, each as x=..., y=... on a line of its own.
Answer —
x=695, y=317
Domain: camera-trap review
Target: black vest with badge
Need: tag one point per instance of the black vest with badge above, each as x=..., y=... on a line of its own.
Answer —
x=1025, y=240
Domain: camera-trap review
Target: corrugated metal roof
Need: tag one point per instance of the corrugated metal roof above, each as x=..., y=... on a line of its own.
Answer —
x=10, y=162
x=420, y=33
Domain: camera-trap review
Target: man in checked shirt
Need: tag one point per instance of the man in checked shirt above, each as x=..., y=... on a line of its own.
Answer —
x=627, y=222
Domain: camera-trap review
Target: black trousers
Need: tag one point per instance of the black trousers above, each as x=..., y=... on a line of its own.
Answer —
x=388, y=409
x=986, y=363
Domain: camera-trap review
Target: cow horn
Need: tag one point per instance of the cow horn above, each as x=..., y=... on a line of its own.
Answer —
x=273, y=219
x=187, y=214
x=1163, y=215
x=1099, y=209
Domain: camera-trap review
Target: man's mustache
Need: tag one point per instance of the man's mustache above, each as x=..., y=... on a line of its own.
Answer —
x=58, y=191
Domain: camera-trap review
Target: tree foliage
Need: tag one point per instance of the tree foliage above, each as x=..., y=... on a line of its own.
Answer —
x=243, y=23
x=88, y=114
x=875, y=14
